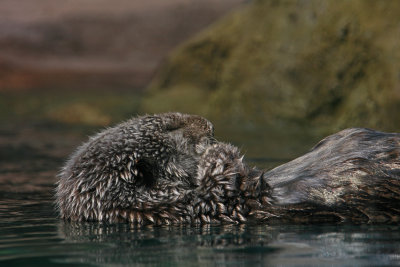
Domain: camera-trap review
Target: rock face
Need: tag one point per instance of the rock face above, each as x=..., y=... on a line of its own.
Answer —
x=324, y=64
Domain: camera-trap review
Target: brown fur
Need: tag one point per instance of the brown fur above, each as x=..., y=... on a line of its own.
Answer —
x=168, y=169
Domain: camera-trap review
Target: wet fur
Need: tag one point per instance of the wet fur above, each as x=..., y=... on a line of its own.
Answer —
x=168, y=169
x=353, y=175
x=134, y=170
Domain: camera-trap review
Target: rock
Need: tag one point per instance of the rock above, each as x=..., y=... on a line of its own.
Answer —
x=321, y=65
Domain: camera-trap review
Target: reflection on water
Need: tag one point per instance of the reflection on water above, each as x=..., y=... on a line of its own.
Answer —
x=32, y=235
x=264, y=245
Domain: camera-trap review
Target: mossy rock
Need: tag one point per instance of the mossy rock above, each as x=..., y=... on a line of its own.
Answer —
x=324, y=65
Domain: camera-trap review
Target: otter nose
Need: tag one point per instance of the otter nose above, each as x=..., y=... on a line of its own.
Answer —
x=204, y=143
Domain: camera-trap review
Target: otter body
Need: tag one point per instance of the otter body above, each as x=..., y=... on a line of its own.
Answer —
x=350, y=176
x=134, y=170
x=169, y=169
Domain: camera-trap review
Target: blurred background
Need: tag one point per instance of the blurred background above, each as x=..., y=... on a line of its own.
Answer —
x=273, y=76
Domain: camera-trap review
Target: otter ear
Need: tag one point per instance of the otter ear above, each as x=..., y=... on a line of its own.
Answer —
x=140, y=172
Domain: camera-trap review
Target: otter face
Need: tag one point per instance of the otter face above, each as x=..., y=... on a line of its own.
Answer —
x=127, y=172
x=190, y=136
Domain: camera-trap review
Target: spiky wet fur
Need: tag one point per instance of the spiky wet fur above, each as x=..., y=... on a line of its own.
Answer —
x=168, y=169
x=128, y=172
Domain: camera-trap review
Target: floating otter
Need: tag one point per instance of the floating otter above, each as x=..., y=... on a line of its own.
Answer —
x=169, y=169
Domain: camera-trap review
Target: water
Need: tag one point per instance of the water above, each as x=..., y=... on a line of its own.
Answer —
x=32, y=235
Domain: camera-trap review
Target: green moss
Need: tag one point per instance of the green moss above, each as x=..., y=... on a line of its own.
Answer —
x=314, y=66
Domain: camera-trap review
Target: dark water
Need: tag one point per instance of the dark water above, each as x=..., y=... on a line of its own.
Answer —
x=32, y=235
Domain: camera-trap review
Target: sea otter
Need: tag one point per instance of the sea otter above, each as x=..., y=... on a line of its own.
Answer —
x=169, y=169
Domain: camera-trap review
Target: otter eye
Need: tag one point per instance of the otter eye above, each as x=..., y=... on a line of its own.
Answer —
x=174, y=126
x=171, y=128
x=145, y=173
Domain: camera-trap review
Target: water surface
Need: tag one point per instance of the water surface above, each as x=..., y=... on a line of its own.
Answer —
x=31, y=234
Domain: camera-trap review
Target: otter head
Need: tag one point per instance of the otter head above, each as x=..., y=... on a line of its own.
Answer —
x=132, y=171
